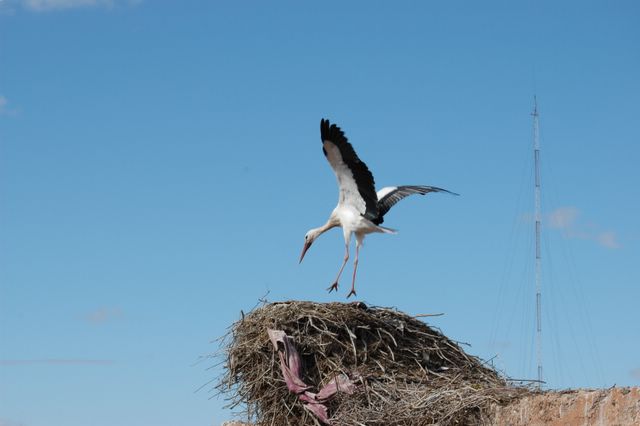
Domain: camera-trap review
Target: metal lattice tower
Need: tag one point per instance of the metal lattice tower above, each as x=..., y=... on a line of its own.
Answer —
x=538, y=216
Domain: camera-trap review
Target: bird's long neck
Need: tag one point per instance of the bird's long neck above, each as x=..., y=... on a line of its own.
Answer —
x=331, y=223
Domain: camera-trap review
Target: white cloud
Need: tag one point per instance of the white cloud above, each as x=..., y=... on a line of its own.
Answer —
x=7, y=422
x=567, y=220
x=563, y=218
x=56, y=362
x=4, y=106
x=49, y=5
x=608, y=239
x=102, y=315
x=44, y=5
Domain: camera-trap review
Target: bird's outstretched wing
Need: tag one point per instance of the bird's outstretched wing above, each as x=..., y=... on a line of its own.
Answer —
x=355, y=181
x=389, y=196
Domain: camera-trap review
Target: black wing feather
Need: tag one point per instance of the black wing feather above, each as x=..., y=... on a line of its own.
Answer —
x=360, y=171
x=390, y=199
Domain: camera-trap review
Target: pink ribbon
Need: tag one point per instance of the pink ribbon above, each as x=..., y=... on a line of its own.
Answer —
x=291, y=366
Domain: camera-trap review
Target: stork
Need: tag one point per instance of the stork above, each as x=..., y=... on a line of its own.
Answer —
x=360, y=210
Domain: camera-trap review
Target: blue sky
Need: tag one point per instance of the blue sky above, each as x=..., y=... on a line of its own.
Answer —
x=160, y=163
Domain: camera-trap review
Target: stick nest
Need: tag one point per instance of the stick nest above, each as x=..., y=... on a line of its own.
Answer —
x=407, y=372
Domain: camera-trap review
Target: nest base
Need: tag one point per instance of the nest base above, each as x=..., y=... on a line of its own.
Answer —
x=406, y=372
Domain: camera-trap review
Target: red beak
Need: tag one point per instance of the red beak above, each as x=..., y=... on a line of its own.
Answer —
x=304, y=250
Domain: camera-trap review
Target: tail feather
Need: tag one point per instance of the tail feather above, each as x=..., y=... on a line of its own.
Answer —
x=386, y=230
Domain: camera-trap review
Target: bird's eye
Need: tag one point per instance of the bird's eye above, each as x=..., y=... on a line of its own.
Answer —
x=306, y=237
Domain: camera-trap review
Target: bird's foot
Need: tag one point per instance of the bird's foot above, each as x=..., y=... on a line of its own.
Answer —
x=351, y=293
x=332, y=287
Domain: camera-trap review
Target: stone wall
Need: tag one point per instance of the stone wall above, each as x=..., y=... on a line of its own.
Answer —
x=602, y=407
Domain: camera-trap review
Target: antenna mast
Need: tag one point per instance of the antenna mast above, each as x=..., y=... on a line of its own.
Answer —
x=536, y=156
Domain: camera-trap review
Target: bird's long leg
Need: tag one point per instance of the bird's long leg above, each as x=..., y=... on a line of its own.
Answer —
x=355, y=269
x=334, y=286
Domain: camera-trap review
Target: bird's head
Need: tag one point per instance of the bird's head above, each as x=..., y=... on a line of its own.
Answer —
x=309, y=238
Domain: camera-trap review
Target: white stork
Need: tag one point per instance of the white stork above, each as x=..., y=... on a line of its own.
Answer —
x=360, y=209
